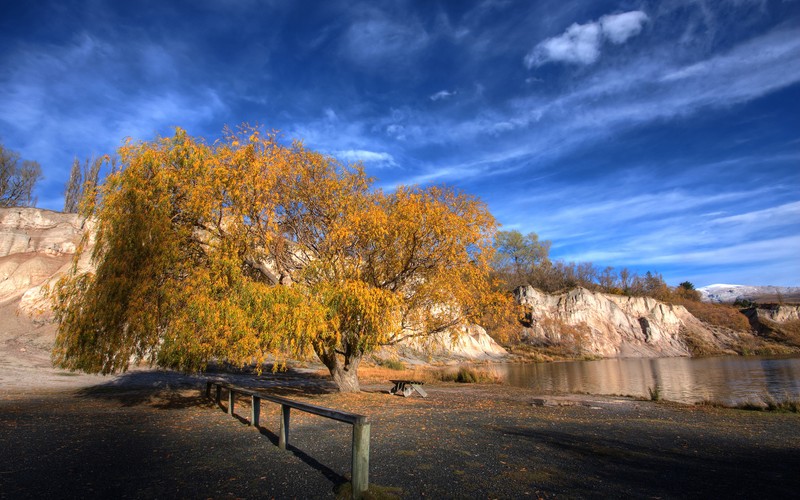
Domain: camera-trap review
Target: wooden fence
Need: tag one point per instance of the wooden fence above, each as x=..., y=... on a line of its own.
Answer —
x=360, y=423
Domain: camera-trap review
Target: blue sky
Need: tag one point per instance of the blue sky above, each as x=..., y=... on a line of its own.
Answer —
x=657, y=135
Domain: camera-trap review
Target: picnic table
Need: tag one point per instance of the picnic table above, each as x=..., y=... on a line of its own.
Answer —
x=407, y=388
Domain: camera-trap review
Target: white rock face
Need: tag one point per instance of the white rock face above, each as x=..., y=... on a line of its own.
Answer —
x=608, y=325
x=27, y=230
x=779, y=314
x=470, y=342
x=36, y=249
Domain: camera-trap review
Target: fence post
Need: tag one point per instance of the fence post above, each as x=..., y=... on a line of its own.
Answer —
x=231, y=395
x=360, y=471
x=219, y=394
x=255, y=411
x=208, y=388
x=283, y=429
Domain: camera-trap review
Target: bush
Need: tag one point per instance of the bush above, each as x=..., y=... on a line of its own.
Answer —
x=467, y=375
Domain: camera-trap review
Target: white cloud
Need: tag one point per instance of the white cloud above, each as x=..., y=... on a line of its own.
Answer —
x=364, y=156
x=442, y=94
x=581, y=43
x=619, y=27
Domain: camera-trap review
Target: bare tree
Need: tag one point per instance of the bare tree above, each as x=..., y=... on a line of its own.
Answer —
x=82, y=184
x=17, y=179
x=72, y=193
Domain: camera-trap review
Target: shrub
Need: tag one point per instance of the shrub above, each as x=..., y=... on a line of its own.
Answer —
x=392, y=364
x=467, y=375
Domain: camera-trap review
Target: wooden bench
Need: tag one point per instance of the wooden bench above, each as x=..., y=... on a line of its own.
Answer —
x=407, y=388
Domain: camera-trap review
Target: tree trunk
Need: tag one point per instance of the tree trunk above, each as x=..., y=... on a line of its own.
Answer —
x=343, y=368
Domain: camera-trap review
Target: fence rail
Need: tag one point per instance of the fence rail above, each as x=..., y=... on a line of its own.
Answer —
x=360, y=423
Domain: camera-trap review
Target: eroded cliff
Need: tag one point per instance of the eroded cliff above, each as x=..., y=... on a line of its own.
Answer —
x=605, y=325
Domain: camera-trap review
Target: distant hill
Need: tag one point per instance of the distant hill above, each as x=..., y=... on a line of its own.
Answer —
x=728, y=294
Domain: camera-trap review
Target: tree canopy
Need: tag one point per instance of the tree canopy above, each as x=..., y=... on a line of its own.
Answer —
x=17, y=179
x=248, y=248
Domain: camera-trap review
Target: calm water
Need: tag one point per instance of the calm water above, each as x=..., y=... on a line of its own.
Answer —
x=727, y=379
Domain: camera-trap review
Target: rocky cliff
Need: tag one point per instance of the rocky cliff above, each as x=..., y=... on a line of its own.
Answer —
x=605, y=325
x=36, y=248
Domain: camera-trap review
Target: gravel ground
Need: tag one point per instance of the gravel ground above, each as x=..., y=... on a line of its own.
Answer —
x=152, y=435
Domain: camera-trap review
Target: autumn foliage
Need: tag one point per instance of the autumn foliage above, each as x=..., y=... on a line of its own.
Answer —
x=248, y=248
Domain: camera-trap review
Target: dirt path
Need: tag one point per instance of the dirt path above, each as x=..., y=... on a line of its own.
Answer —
x=150, y=435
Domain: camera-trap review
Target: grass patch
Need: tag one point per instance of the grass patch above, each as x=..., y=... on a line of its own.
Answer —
x=786, y=333
x=769, y=405
x=655, y=393
x=392, y=364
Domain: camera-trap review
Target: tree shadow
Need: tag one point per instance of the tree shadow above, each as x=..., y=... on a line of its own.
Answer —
x=170, y=390
x=167, y=390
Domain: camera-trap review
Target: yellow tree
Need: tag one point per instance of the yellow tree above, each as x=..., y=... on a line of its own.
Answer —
x=248, y=248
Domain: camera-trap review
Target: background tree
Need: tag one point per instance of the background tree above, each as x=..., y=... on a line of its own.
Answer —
x=517, y=257
x=249, y=248
x=686, y=290
x=72, y=191
x=17, y=179
x=82, y=185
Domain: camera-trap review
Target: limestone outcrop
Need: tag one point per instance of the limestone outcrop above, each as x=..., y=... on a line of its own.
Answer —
x=778, y=313
x=471, y=343
x=36, y=248
x=605, y=325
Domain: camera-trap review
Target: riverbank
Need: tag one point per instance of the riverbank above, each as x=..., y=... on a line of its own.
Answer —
x=151, y=434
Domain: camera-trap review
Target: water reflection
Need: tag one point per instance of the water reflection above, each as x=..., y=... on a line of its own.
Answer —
x=728, y=379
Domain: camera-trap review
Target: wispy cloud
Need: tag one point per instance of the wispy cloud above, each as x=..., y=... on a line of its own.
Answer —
x=380, y=159
x=443, y=94
x=780, y=215
x=82, y=98
x=376, y=38
x=645, y=90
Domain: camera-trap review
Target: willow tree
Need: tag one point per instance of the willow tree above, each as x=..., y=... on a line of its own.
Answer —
x=248, y=248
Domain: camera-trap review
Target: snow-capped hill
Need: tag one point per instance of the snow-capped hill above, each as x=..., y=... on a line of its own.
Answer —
x=730, y=293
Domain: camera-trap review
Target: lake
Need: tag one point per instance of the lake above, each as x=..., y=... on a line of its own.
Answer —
x=727, y=379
